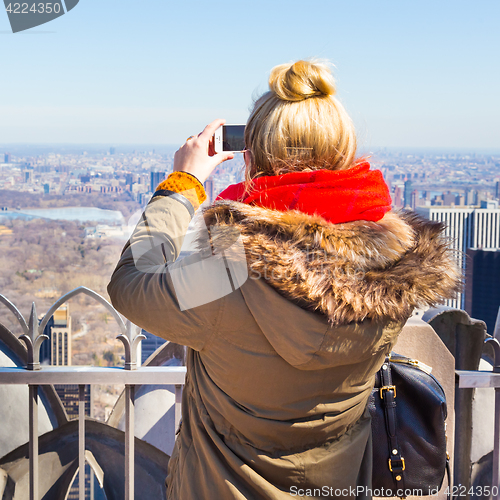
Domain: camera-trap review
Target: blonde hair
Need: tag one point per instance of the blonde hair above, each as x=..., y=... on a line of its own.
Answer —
x=299, y=124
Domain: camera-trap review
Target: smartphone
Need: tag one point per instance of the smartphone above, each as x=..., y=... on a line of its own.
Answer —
x=229, y=138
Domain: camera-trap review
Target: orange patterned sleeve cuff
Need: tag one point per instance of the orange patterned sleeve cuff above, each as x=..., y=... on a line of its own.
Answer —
x=185, y=184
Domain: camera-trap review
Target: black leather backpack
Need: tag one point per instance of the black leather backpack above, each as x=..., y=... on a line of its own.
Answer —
x=408, y=410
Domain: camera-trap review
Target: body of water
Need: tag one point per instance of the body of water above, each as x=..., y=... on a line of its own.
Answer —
x=80, y=214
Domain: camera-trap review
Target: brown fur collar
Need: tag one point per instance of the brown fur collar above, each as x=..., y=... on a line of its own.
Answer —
x=351, y=271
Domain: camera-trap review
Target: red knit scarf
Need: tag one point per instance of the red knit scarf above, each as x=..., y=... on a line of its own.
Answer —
x=337, y=195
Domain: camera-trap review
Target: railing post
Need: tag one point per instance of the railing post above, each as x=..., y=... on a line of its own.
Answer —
x=129, y=441
x=33, y=341
x=81, y=442
x=131, y=342
x=496, y=445
x=495, y=344
x=33, y=446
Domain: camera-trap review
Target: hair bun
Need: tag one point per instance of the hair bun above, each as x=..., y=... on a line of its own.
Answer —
x=302, y=80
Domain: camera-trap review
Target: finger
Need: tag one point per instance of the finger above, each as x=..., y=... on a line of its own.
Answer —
x=210, y=129
x=221, y=157
x=211, y=147
x=229, y=156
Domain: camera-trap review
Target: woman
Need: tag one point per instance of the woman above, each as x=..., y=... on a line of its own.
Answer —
x=280, y=364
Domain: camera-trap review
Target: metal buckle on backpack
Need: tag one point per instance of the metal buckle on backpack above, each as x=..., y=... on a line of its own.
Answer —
x=387, y=388
x=402, y=460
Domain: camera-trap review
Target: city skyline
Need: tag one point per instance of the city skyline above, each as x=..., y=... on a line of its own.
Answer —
x=34, y=149
x=411, y=75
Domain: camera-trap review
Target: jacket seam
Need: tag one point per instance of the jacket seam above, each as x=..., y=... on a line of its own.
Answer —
x=179, y=473
x=217, y=323
x=226, y=337
x=315, y=353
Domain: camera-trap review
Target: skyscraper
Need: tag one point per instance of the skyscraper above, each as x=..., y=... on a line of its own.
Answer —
x=61, y=337
x=156, y=178
x=407, y=195
x=414, y=199
x=482, y=293
x=448, y=199
x=7, y=157
x=459, y=200
x=70, y=397
x=398, y=197
x=467, y=227
x=27, y=176
x=112, y=150
x=56, y=350
x=470, y=197
x=210, y=190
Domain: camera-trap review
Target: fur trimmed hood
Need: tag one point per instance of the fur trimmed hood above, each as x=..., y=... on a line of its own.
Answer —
x=349, y=272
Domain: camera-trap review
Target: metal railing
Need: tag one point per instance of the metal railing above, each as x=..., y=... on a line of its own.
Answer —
x=82, y=375
x=486, y=379
x=34, y=376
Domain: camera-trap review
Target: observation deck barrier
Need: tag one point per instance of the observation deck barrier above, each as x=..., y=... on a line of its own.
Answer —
x=34, y=375
x=438, y=342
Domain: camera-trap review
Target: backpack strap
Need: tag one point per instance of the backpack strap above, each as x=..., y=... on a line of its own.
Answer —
x=388, y=395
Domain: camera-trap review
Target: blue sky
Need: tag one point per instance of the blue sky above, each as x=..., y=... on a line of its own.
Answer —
x=411, y=73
